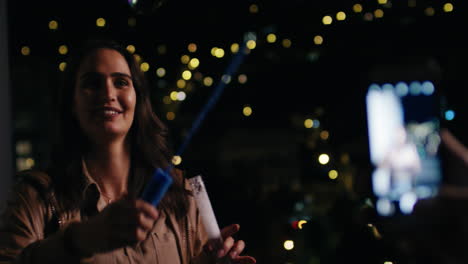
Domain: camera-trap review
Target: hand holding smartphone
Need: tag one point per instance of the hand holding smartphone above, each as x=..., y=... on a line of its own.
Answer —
x=403, y=128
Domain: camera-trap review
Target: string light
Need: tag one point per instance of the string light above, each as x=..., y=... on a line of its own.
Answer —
x=318, y=40
x=253, y=8
x=193, y=63
x=234, y=47
x=208, y=81
x=327, y=20
x=63, y=49
x=286, y=43
x=25, y=50
x=192, y=47
x=357, y=8
x=100, y=22
x=160, y=72
x=53, y=25
x=186, y=75
x=145, y=66
x=247, y=111
x=271, y=38
x=131, y=49
x=448, y=7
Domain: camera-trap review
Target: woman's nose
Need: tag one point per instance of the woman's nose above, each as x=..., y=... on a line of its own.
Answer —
x=108, y=90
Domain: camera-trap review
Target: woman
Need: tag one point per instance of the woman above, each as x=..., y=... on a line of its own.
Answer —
x=84, y=207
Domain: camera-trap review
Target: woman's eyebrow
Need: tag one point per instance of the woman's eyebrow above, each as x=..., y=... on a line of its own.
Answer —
x=120, y=74
x=97, y=74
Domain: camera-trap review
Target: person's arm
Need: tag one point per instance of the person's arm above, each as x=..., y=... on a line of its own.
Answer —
x=22, y=228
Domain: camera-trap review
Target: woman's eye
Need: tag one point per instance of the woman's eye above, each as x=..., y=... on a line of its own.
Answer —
x=121, y=83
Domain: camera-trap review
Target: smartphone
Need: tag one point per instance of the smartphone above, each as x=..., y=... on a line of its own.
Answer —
x=403, y=120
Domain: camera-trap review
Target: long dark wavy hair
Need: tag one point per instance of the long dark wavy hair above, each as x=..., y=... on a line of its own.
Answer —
x=148, y=138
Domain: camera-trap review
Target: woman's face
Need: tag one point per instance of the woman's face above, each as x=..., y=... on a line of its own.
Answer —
x=104, y=96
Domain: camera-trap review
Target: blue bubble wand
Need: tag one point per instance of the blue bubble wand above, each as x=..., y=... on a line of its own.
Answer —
x=161, y=180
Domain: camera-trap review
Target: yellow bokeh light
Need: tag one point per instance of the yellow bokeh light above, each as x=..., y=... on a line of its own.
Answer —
x=198, y=76
x=300, y=223
x=25, y=50
x=242, y=78
x=162, y=49
x=332, y=174
x=378, y=13
x=219, y=53
x=368, y=16
x=185, y=59
x=327, y=20
x=323, y=159
x=308, y=123
x=53, y=25
x=100, y=22
x=388, y=262
x=213, y=51
x=234, y=47
x=137, y=57
x=253, y=8
x=288, y=244
x=271, y=38
x=194, y=63
x=247, y=110
x=181, y=84
x=186, y=75
x=170, y=115
x=448, y=7
x=161, y=72
x=131, y=21
x=318, y=40
x=286, y=43
x=341, y=15
x=167, y=100
x=62, y=66
x=429, y=11
x=63, y=49
x=208, y=81
x=144, y=66
x=324, y=135
x=412, y=3
x=382, y=2
x=173, y=95
x=345, y=158
x=251, y=44
x=30, y=162
x=176, y=160
x=357, y=8
x=131, y=49
x=192, y=47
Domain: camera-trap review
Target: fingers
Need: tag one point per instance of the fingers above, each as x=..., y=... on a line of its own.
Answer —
x=227, y=245
x=229, y=230
x=245, y=260
x=454, y=145
x=237, y=249
x=149, y=210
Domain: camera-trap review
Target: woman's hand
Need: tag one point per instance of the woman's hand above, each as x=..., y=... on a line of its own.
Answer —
x=231, y=248
x=125, y=222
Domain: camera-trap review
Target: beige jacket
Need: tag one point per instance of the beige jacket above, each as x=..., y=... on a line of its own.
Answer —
x=27, y=221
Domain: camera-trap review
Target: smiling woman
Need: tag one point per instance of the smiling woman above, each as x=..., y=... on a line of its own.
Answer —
x=84, y=207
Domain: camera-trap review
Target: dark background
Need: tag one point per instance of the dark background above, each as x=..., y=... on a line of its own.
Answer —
x=261, y=171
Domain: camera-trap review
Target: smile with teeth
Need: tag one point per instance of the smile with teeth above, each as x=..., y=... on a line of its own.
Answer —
x=110, y=113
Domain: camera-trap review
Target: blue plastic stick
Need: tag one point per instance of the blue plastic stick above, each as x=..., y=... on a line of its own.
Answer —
x=161, y=180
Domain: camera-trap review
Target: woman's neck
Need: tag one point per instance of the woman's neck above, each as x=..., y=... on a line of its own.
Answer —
x=109, y=166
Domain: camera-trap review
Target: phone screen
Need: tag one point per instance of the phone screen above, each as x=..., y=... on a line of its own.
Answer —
x=403, y=128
